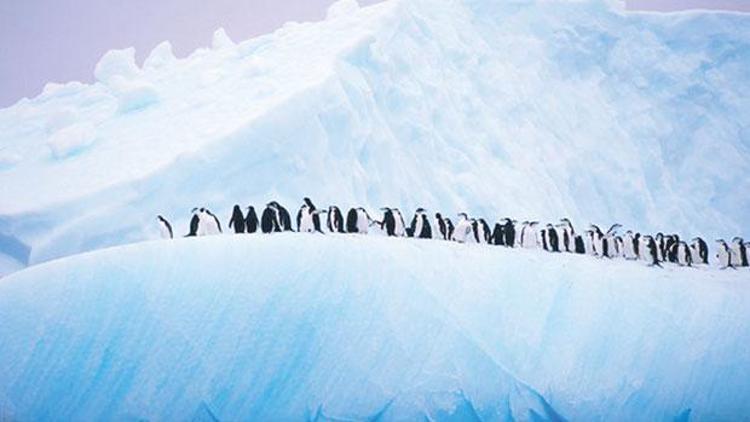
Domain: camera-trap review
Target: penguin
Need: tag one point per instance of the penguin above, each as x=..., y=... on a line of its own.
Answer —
x=553, y=240
x=314, y=213
x=420, y=225
x=335, y=220
x=358, y=221
x=637, y=245
x=400, y=229
x=628, y=246
x=194, y=224
x=739, y=252
x=388, y=224
x=213, y=226
x=543, y=234
x=580, y=245
x=600, y=244
x=351, y=221
x=510, y=233
x=449, y=227
x=700, y=251
x=613, y=247
x=463, y=229
x=724, y=255
x=660, y=247
x=165, y=228
x=475, y=236
x=284, y=219
x=669, y=246
x=568, y=235
x=498, y=237
x=251, y=220
x=653, y=252
x=305, y=222
x=442, y=228
x=269, y=220
x=486, y=233
x=237, y=221
x=529, y=234
x=683, y=256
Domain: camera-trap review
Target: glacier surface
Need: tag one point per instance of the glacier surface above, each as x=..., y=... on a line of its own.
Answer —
x=530, y=109
x=346, y=327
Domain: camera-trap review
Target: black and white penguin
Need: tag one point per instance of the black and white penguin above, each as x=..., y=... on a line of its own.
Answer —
x=529, y=234
x=237, y=221
x=660, y=247
x=284, y=219
x=420, y=225
x=213, y=226
x=724, y=255
x=251, y=220
x=194, y=224
x=670, y=242
x=739, y=252
x=315, y=214
x=450, y=227
x=599, y=242
x=700, y=251
x=652, y=251
x=682, y=254
x=485, y=231
x=463, y=230
x=400, y=229
x=579, y=246
x=269, y=220
x=568, y=235
x=305, y=222
x=613, y=245
x=637, y=245
x=543, y=235
x=553, y=239
x=498, y=236
x=509, y=230
x=629, y=246
x=358, y=221
x=165, y=228
x=442, y=228
x=388, y=224
x=335, y=220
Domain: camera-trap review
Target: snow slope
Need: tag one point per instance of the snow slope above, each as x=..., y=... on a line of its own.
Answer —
x=533, y=109
x=345, y=327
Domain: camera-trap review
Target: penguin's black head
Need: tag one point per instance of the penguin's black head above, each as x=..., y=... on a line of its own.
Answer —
x=160, y=218
x=250, y=207
x=437, y=215
x=203, y=210
x=419, y=210
x=194, y=210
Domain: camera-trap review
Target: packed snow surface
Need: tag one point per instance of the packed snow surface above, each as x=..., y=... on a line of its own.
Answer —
x=529, y=109
x=346, y=327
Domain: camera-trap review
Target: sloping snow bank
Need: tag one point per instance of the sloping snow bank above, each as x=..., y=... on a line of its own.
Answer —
x=304, y=326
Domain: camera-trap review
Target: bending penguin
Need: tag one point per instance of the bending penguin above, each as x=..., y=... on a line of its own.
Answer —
x=463, y=229
x=358, y=221
x=269, y=220
x=165, y=228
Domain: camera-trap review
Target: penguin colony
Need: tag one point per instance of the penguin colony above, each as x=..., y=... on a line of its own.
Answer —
x=553, y=238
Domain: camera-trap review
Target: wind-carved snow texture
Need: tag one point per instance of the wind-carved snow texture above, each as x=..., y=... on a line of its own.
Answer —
x=346, y=327
x=530, y=109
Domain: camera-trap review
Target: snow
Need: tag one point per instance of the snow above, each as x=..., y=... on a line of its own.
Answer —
x=71, y=140
x=344, y=327
x=531, y=109
x=117, y=64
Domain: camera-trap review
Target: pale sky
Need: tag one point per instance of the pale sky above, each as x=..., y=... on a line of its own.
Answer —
x=62, y=40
